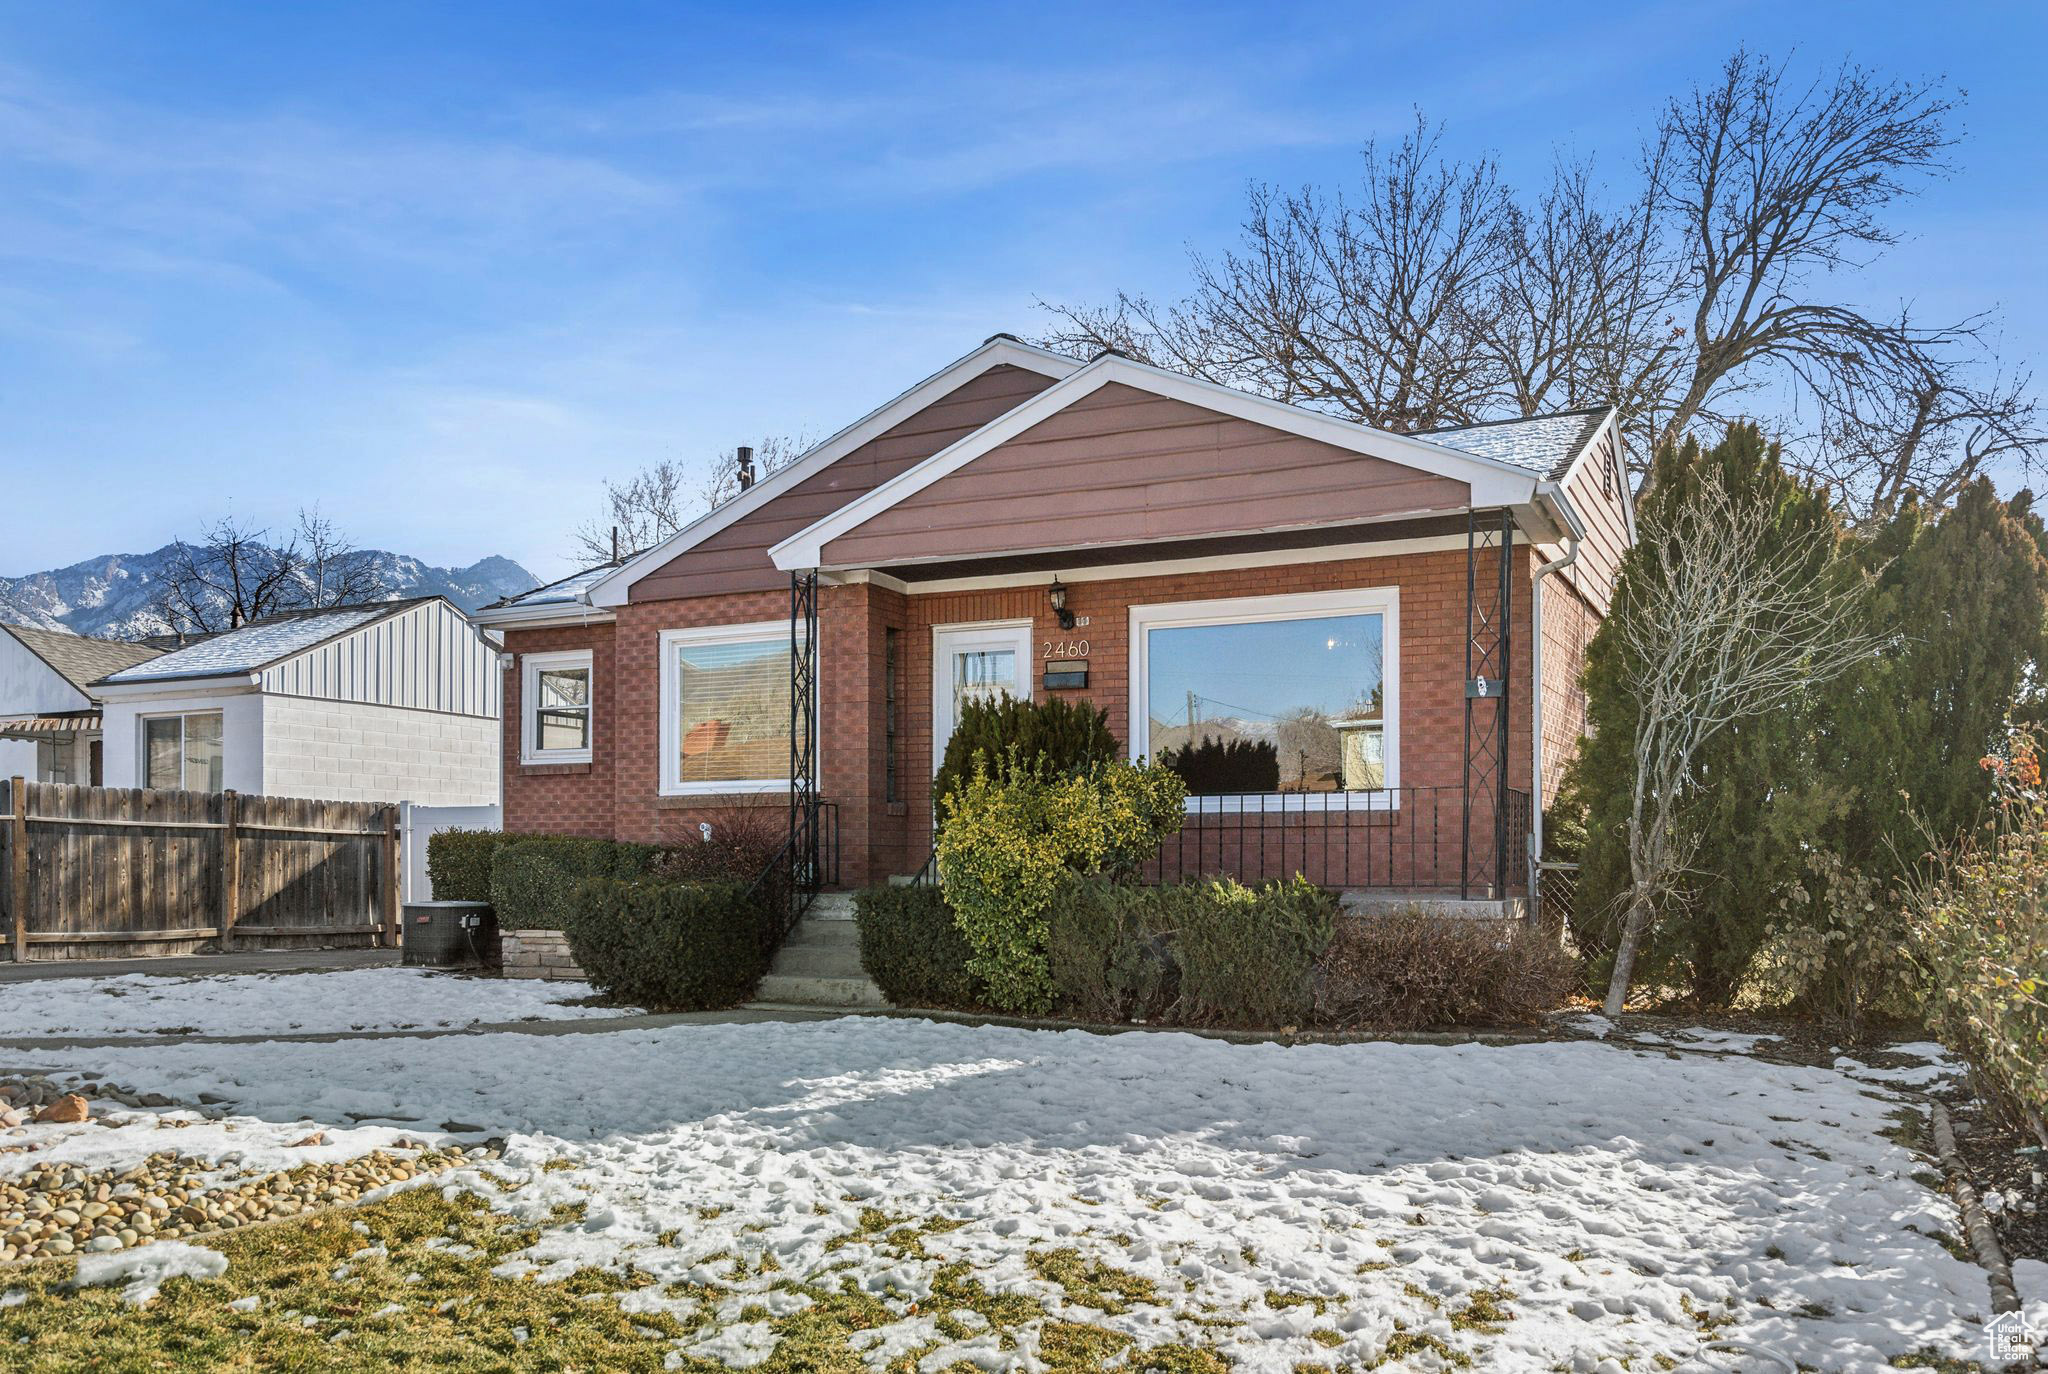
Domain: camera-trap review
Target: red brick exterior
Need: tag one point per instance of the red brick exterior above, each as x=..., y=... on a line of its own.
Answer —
x=618, y=793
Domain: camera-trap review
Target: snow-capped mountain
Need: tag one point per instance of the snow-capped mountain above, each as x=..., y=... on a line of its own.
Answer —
x=112, y=595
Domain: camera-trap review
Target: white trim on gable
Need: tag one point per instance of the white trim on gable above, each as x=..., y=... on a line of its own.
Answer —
x=999, y=351
x=1493, y=483
x=1611, y=428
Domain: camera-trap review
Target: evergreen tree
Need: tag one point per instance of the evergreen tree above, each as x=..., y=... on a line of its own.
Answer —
x=1755, y=792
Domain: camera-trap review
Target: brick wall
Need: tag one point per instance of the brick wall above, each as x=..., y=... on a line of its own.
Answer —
x=618, y=792
x=562, y=798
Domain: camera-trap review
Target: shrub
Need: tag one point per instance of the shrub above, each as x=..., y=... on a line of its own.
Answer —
x=1979, y=938
x=1109, y=951
x=1049, y=738
x=1248, y=955
x=738, y=848
x=1011, y=838
x=533, y=877
x=666, y=946
x=459, y=863
x=1409, y=970
x=1214, y=767
x=911, y=945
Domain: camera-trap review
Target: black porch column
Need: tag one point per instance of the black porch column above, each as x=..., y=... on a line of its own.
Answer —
x=1489, y=606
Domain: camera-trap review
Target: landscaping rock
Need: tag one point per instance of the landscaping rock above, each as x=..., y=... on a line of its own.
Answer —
x=66, y=1109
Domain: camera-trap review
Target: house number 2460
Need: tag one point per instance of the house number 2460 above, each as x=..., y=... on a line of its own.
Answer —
x=1065, y=648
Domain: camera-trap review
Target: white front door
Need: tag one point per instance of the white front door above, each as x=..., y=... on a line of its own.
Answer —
x=971, y=662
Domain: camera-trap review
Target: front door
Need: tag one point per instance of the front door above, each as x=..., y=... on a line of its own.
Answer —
x=973, y=662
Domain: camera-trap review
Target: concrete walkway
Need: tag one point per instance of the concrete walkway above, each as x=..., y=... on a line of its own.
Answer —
x=191, y=965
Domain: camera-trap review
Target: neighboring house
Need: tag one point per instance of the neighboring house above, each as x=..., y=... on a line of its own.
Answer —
x=49, y=717
x=394, y=701
x=1304, y=614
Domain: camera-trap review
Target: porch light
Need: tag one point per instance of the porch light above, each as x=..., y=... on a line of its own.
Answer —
x=1057, y=594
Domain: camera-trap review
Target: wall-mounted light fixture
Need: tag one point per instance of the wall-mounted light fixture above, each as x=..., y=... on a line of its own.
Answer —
x=1057, y=594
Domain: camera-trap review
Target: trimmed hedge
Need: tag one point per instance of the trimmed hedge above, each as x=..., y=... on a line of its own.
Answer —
x=1110, y=949
x=1410, y=971
x=666, y=946
x=1248, y=954
x=459, y=863
x=534, y=877
x=911, y=945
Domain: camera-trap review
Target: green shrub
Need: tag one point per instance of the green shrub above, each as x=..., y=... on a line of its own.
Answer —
x=1010, y=840
x=1248, y=955
x=1050, y=738
x=459, y=863
x=1108, y=947
x=666, y=946
x=533, y=877
x=1979, y=937
x=911, y=945
x=1408, y=971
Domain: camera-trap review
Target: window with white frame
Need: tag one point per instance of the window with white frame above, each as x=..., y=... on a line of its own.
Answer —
x=1270, y=695
x=725, y=709
x=183, y=753
x=555, y=695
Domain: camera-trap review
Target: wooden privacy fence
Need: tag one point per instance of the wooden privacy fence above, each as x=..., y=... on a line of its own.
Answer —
x=94, y=871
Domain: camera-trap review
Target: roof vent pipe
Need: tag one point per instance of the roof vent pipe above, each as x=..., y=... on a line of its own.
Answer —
x=743, y=466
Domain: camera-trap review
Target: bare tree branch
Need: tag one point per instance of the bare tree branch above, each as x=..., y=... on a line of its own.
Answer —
x=664, y=496
x=1719, y=623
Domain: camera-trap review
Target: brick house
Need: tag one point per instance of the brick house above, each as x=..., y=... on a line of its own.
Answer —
x=1361, y=648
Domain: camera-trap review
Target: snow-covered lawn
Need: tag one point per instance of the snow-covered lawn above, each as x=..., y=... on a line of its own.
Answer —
x=1577, y=1206
x=279, y=1003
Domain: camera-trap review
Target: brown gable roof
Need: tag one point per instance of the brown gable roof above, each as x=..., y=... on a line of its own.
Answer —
x=77, y=659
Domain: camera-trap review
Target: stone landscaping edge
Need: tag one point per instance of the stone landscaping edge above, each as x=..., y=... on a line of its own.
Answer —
x=537, y=954
x=2005, y=1295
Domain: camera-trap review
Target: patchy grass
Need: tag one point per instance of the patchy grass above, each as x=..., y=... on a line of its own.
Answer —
x=325, y=1304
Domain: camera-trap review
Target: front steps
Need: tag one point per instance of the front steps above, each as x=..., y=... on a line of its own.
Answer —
x=819, y=964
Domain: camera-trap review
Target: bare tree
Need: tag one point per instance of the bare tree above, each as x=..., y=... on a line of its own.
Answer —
x=664, y=496
x=1715, y=280
x=335, y=571
x=1719, y=624
x=228, y=578
x=1369, y=306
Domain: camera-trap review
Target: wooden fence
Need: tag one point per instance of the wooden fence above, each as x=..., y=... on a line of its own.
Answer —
x=97, y=871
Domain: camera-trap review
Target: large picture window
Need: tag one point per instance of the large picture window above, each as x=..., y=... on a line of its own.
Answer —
x=555, y=697
x=182, y=753
x=1269, y=695
x=725, y=709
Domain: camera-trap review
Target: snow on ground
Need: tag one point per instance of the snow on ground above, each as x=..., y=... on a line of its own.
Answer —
x=145, y=1270
x=1625, y=1201
x=280, y=1003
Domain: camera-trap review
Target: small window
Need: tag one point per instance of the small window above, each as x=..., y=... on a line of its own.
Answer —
x=555, y=699
x=725, y=709
x=891, y=670
x=182, y=753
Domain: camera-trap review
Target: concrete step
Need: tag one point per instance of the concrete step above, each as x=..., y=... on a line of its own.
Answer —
x=790, y=990
x=825, y=934
x=831, y=906
x=817, y=961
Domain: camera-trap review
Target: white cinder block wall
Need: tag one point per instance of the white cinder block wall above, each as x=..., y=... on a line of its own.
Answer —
x=349, y=751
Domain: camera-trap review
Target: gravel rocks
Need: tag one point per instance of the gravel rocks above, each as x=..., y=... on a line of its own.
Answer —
x=54, y=1210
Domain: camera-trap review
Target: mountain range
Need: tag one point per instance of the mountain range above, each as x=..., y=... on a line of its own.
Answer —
x=113, y=596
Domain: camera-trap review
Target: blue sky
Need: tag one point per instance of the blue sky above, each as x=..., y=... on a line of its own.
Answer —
x=443, y=269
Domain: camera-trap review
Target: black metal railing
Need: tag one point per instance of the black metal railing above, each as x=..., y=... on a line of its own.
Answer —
x=793, y=877
x=1405, y=838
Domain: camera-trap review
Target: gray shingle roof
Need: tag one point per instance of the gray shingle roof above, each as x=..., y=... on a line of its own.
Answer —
x=259, y=643
x=1544, y=444
x=76, y=658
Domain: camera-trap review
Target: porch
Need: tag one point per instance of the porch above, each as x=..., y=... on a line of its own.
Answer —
x=1412, y=777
